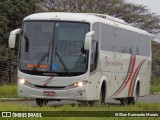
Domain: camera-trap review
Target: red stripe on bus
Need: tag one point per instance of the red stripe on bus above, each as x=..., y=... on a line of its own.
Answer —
x=132, y=68
x=133, y=77
x=128, y=72
x=128, y=78
x=48, y=81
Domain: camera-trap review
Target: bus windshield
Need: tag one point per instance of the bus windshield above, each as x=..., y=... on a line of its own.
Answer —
x=55, y=48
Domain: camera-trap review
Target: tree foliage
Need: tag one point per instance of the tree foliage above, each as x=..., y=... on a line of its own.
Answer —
x=156, y=62
x=137, y=15
x=12, y=14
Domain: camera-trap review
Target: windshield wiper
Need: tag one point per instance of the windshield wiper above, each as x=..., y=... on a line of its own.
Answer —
x=48, y=51
x=41, y=60
x=62, y=62
x=43, y=57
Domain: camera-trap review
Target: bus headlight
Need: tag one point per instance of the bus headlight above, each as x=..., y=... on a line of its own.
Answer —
x=25, y=82
x=78, y=84
x=22, y=81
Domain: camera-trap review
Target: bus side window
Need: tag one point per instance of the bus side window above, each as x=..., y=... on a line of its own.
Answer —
x=94, y=55
x=137, y=50
x=130, y=50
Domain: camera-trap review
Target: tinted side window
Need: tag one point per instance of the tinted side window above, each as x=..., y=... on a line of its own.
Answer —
x=124, y=41
x=94, y=55
x=96, y=29
x=112, y=38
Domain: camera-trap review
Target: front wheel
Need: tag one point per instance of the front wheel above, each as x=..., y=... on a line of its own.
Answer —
x=101, y=101
x=102, y=97
x=41, y=102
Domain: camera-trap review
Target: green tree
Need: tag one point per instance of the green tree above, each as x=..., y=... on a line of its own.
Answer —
x=137, y=15
x=12, y=14
x=156, y=62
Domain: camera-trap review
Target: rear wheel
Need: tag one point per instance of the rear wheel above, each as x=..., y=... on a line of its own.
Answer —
x=41, y=102
x=124, y=101
x=134, y=99
x=130, y=100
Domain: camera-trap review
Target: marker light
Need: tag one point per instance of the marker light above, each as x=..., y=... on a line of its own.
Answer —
x=78, y=84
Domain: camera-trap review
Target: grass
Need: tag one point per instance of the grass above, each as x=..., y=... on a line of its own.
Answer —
x=11, y=91
x=30, y=107
x=155, y=89
x=138, y=107
x=8, y=91
x=85, y=118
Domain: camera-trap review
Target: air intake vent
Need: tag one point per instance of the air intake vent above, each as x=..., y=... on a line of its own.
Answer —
x=50, y=87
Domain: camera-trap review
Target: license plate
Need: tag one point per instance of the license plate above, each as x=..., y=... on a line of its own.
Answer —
x=49, y=93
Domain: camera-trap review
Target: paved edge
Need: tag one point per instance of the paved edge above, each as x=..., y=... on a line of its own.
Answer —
x=156, y=93
x=31, y=99
x=15, y=99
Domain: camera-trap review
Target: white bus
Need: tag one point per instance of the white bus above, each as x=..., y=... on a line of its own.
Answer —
x=82, y=57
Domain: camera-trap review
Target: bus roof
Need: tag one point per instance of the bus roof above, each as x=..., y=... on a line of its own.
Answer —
x=85, y=17
x=64, y=16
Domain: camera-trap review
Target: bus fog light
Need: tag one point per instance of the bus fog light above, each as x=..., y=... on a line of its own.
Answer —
x=78, y=84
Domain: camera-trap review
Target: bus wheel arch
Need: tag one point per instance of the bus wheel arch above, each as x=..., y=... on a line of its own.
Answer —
x=136, y=91
x=134, y=99
x=131, y=100
x=102, y=93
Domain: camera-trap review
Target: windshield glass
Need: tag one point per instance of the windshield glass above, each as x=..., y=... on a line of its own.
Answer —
x=54, y=47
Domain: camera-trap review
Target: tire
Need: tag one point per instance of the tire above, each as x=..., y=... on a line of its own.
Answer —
x=99, y=102
x=41, y=102
x=102, y=97
x=124, y=101
x=131, y=100
x=134, y=99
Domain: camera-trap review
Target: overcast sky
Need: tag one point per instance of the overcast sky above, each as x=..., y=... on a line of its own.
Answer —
x=153, y=5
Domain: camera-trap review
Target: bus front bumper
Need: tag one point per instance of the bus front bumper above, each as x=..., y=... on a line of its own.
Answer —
x=79, y=93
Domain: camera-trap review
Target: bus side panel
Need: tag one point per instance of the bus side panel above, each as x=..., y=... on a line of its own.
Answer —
x=126, y=55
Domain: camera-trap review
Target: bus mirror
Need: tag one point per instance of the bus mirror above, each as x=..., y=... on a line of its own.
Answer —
x=88, y=40
x=12, y=37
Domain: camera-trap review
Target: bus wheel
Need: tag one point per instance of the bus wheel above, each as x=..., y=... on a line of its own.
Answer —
x=41, y=102
x=102, y=96
x=124, y=101
x=101, y=101
x=130, y=100
x=134, y=99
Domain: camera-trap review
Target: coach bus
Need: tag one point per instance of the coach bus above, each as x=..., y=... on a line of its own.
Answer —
x=83, y=57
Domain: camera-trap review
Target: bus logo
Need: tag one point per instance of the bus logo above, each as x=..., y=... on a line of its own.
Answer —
x=55, y=67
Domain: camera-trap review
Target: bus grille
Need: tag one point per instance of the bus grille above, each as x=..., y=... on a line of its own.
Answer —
x=50, y=87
